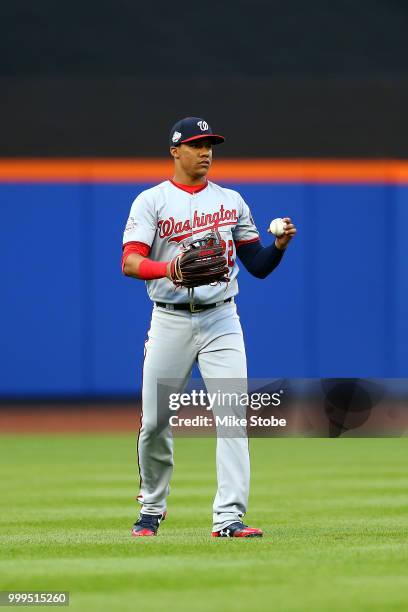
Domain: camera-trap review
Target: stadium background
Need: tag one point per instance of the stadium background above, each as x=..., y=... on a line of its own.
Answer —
x=313, y=105
x=76, y=326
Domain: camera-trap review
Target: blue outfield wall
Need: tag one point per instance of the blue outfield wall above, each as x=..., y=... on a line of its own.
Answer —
x=72, y=325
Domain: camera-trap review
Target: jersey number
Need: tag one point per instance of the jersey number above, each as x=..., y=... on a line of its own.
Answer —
x=229, y=251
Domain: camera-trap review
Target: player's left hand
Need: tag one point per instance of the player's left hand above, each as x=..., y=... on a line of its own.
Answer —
x=282, y=242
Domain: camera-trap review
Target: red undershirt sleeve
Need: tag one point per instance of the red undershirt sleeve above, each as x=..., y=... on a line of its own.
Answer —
x=148, y=269
x=139, y=248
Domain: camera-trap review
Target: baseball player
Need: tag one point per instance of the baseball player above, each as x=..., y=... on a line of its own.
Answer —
x=205, y=329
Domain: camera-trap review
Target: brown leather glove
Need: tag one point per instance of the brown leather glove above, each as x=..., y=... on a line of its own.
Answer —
x=201, y=262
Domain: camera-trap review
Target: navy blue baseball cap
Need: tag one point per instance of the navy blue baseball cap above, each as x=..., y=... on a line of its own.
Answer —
x=192, y=128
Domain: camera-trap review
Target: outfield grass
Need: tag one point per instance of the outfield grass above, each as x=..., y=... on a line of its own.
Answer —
x=334, y=512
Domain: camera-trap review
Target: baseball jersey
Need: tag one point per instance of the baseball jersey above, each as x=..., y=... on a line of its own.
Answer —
x=165, y=215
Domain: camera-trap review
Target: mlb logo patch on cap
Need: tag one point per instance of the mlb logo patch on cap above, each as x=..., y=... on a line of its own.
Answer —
x=192, y=128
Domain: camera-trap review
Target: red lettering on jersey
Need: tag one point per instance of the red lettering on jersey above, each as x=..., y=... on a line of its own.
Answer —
x=166, y=227
x=176, y=231
x=178, y=227
x=197, y=221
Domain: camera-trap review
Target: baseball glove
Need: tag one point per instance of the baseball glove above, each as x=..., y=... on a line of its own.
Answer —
x=201, y=262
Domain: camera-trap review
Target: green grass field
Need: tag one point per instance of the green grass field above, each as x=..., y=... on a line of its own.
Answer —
x=334, y=512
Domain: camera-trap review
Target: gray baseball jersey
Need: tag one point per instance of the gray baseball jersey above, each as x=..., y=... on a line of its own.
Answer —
x=163, y=216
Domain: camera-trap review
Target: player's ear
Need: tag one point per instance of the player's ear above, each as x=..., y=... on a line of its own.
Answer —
x=174, y=152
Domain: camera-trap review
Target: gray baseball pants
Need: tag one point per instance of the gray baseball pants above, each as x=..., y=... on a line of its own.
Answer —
x=176, y=340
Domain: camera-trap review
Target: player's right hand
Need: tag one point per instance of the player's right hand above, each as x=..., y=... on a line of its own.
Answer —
x=282, y=242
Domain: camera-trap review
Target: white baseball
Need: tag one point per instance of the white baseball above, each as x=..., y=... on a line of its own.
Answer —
x=277, y=227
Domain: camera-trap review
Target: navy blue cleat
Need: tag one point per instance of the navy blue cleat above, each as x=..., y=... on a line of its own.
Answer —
x=237, y=530
x=147, y=525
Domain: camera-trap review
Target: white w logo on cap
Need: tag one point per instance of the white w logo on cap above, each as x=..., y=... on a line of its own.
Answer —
x=203, y=125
